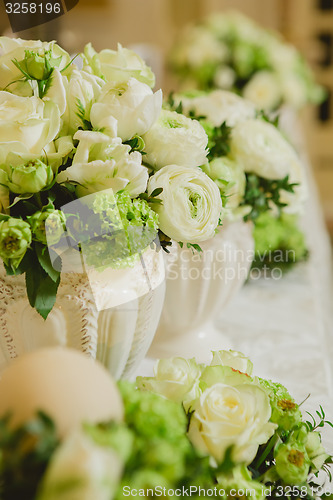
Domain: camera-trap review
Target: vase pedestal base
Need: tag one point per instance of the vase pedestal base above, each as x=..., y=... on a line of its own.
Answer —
x=196, y=344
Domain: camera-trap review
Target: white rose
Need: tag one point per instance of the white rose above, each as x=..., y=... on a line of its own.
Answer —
x=175, y=139
x=81, y=470
x=235, y=416
x=191, y=203
x=234, y=359
x=100, y=165
x=133, y=104
x=261, y=149
x=175, y=378
x=27, y=124
x=14, y=48
x=117, y=65
x=219, y=106
x=82, y=90
x=264, y=90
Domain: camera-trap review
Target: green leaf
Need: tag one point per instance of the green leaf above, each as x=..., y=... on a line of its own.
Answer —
x=45, y=261
x=21, y=197
x=156, y=192
x=41, y=288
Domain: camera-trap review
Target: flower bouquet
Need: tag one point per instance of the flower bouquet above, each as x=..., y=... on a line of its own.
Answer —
x=229, y=51
x=191, y=430
x=81, y=207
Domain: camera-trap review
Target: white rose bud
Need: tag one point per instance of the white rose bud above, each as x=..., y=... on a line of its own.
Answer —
x=191, y=203
x=175, y=139
x=133, y=104
x=235, y=416
x=81, y=470
x=236, y=360
x=176, y=379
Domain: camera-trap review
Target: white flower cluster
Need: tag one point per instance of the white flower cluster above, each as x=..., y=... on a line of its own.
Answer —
x=254, y=146
x=229, y=51
x=98, y=128
x=228, y=407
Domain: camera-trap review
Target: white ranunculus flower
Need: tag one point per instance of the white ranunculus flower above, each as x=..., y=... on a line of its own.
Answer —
x=264, y=90
x=175, y=378
x=14, y=48
x=197, y=47
x=191, y=203
x=224, y=78
x=133, y=104
x=234, y=359
x=175, y=139
x=81, y=470
x=218, y=106
x=117, y=65
x=261, y=149
x=294, y=90
x=235, y=416
x=82, y=90
x=99, y=165
x=27, y=124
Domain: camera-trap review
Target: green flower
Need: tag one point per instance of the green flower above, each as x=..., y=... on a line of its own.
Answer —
x=38, y=65
x=315, y=451
x=230, y=179
x=292, y=463
x=15, y=238
x=123, y=228
x=239, y=484
x=47, y=225
x=285, y=412
x=30, y=177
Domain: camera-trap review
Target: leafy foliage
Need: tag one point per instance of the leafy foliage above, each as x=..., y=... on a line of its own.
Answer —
x=25, y=453
x=263, y=194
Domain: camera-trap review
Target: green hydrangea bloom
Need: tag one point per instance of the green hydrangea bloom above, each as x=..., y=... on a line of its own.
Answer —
x=123, y=228
x=239, y=484
x=160, y=444
x=285, y=412
x=278, y=241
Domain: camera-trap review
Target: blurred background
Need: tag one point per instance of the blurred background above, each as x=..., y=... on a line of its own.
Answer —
x=151, y=26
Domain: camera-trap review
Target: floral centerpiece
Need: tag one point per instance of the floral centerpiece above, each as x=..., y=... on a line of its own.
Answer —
x=258, y=172
x=87, y=137
x=229, y=51
x=190, y=430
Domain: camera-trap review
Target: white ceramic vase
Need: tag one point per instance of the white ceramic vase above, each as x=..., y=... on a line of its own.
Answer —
x=118, y=336
x=199, y=285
